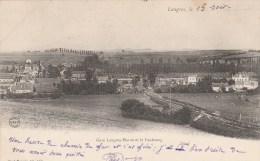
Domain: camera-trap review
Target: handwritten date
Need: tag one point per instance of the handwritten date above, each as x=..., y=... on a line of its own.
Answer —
x=200, y=8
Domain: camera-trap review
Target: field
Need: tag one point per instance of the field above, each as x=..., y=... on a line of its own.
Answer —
x=54, y=58
x=92, y=112
x=118, y=57
x=229, y=105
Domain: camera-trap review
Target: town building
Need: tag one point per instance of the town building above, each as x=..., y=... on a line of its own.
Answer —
x=245, y=81
x=33, y=68
x=128, y=88
x=103, y=79
x=192, y=79
x=78, y=75
x=241, y=77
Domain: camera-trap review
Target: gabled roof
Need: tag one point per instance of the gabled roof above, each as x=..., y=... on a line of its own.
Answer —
x=6, y=76
x=193, y=75
x=22, y=86
x=27, y=78
x=48, y=80
x=4, y=87
x=104, y=78
x=244, y=74
x=41, y=88
x=9, y=82
x=78, y=72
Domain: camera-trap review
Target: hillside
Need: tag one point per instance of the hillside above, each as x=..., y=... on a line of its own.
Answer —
x=128, y=57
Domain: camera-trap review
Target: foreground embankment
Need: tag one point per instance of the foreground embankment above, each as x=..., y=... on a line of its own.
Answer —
x=185, y=113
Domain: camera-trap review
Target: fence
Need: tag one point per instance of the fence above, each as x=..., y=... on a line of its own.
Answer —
x=240, y=117
x=249, y=119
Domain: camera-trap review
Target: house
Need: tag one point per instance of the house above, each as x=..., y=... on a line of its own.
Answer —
x=160, y=81
x=249, y=85
x=22, y=87
x=102, y=79
x=179, y=81
x=63, y=74
x=78, y=75
x=241, y=77
x=6, y=81
x=244, y=80
x=126, y=88
x=219, y=87
x=192, y=79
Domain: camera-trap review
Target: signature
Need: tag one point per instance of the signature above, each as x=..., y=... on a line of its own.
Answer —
x=119, y=157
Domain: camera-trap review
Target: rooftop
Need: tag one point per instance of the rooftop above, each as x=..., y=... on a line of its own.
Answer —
x=48, y=80
x=22, y=86
x=78, y=72
x=6, y=76
x=41, y=88
x=27, y=78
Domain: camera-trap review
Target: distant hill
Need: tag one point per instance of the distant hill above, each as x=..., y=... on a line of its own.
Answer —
x=125, y=56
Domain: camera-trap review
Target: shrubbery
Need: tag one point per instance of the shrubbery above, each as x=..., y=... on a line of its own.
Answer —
x=54, y=95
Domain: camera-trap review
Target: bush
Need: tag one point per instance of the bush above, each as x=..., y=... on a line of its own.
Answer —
x=54, y=95
x=183, y=115
x=136, y=109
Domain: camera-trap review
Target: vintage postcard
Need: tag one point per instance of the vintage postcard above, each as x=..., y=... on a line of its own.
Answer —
x=130, y=80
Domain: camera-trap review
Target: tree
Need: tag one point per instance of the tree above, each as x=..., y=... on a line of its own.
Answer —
x=205, y=85
x=151, y=78
x=135, y=81
x=68, y=73
x=160, y=60
x=151, y=60
x=89, y=74
x=231, y=82
x=53, y=72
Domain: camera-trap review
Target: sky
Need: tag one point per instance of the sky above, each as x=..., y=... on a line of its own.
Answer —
x=108, y=25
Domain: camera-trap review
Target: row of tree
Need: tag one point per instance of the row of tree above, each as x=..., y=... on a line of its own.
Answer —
x=144, y=68
x=83, y=52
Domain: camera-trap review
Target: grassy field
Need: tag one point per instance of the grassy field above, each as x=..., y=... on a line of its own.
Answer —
x=229, y=105
x=92, y=112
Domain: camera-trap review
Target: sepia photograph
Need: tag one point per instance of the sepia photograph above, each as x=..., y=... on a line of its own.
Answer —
x=129, y=80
